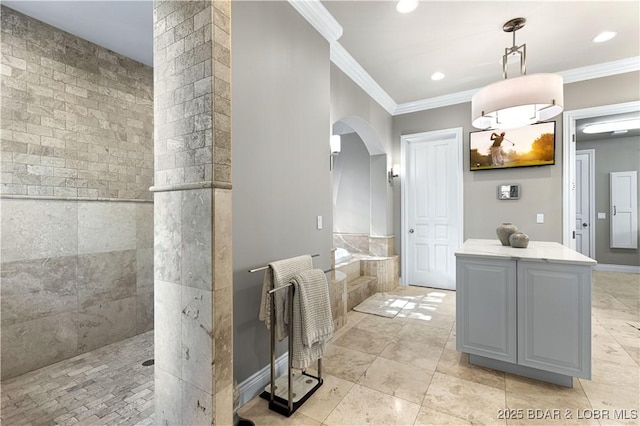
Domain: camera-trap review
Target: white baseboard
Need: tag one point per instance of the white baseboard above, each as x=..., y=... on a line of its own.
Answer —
x=617, y=268
x=254, y=385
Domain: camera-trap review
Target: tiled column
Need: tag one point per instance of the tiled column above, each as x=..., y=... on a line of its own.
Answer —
x=193, y=270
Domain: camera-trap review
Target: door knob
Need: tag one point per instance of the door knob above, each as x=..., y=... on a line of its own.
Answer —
x=411, y=231
x=585, y=224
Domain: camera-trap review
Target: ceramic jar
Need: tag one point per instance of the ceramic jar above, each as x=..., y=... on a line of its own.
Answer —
x=519, y=240
x=504, y=231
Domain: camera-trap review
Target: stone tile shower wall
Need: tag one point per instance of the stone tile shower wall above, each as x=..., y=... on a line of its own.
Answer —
x=192, y=213
x=76, y=214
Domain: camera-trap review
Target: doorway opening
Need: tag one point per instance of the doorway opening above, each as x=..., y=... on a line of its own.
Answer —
x=611, y=153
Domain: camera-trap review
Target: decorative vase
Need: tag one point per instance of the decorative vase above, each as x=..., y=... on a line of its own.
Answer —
x=504, y=231
x=519, y=240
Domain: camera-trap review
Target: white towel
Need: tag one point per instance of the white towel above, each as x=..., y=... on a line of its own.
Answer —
x=312, y=320
x=278, y=274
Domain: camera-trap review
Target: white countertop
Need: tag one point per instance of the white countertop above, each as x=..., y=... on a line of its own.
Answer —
x=538, y=250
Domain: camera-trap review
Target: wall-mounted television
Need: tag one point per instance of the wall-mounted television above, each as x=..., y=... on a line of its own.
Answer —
x=527, y=146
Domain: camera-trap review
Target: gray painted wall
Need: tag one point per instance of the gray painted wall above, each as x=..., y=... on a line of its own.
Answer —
x=612, y=155
x=541, y=186
x=281, y=176
x=379, y=190
x=351, y=187
x=347, y=100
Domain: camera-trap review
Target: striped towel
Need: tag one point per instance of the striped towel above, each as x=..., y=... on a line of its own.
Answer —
x=312, y=320
x=278, y=274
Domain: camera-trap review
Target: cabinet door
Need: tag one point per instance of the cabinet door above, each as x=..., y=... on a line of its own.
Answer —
x=554, y=317
x=486, y=308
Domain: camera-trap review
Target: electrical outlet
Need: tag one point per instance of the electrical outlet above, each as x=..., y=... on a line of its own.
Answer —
x=602, y=215
x=540, y=218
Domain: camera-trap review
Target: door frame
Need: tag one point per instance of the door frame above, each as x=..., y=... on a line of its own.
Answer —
x=454, y=133
x=569, y=161
x=591, y=153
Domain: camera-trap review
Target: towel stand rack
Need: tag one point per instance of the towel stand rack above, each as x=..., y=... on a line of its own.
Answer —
x=288, y=406
x=262, y=268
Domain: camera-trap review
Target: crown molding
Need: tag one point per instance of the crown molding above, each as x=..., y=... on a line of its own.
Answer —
x=319, y=18
x=604, y=69
x=574, y=75
x=354, y=70
x=435, y=102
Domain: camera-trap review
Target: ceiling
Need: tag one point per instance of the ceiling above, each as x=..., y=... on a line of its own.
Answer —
x=585, y=137
x=462, y=39
x=465, y=41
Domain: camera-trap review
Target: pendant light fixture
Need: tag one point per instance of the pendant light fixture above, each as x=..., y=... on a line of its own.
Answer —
x=518, y=101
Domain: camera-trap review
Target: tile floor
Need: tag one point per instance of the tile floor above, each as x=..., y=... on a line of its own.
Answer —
x=378, y=371
x=406, y=371
x=108, y=386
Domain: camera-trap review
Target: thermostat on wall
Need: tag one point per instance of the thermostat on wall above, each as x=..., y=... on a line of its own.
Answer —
x=509, y=191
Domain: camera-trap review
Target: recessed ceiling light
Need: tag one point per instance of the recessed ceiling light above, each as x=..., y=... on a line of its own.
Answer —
x=437, y=76
x=612, y=126
x=406, y=6
x=604, y=36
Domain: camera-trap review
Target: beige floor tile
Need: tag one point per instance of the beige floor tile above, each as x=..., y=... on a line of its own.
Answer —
x=376, y=324
x=413, y=352
x=606, y=301
x=326, y=398
x=435, y=334
x=410, y=290
x=397, y=379
x=429, y=417
x=633, y=352
x=366, y=341
x=525, y=410
x=605, y=347
x=473, y=402
x=624, y=376
x=345, y=363
x=612, y=397
x=364, y=406
x=559, y=395
x=257, y=410
x=456, y=364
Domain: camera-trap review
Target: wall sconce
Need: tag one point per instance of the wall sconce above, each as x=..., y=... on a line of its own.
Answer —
x=391, y=174
x=335, y=142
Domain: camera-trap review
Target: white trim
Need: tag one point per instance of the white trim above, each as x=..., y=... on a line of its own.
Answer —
x=457, y=133
x=591, y=153
x=361, y=77
x=604, y=69
x=630, y=269
x=255, y=384
x=436, y=102
x=569, y=76
x=569, y=161
x=319, y=17
x=322, y=20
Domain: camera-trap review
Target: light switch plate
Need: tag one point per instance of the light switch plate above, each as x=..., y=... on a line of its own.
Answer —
x=319, y=222
x=602, y=215
x=540, y=218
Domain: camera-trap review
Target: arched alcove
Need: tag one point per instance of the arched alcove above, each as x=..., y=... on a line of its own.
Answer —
x=359, y=180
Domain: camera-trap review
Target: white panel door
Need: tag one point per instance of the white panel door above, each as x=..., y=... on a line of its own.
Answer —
x=624, y=209
x=584, y=201
x=432, y=233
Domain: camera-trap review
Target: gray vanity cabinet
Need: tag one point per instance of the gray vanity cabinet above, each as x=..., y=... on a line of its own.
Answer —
x=525, y=311
x=554, y=317
x=486, y=307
